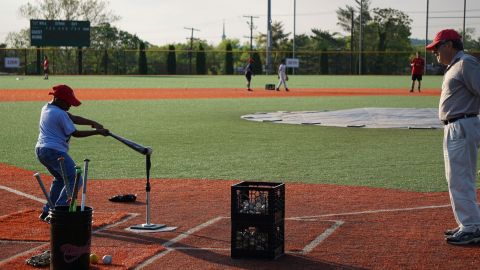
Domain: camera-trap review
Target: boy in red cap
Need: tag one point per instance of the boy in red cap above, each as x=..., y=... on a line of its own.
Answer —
x=56, y=128
x=417, y=64
x=458, y=110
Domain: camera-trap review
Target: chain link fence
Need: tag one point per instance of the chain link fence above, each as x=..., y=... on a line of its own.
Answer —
x=70, y=61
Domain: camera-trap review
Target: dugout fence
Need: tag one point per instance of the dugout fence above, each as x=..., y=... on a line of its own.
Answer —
x=70, y=61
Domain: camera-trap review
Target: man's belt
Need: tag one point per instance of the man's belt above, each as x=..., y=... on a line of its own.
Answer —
x=446, y=122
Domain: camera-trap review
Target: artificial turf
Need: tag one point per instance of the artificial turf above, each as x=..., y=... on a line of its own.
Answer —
x=222, y=81
x=206, y=139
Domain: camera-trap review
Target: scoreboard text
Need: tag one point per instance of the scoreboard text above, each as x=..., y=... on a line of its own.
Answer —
x=59, y=33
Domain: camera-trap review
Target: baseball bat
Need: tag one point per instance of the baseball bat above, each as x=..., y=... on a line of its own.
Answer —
x=73, y=202
x=135, y=146
x=39, y=180
x=84, y=193
x=61, y=161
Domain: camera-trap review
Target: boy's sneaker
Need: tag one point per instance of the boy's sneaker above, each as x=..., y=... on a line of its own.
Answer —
x=450, y=232
x=45, y=217
x=464, y=238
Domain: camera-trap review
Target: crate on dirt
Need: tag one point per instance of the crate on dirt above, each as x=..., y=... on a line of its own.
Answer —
x=264, y=241
x=263, y=202
x=258, y=219
x=269, y=86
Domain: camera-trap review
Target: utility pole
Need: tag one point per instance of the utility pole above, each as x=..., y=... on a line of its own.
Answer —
x=191, y=49
x=268, y=64
x=251, y=32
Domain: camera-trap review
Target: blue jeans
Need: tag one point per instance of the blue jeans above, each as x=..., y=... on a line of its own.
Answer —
x=49, y=158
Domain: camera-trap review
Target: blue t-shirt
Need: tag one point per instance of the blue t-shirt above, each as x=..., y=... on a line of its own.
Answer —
x=55, y=127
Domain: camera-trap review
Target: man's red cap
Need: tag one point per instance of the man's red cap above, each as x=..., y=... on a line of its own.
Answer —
x=65, y=93
x=446, y=34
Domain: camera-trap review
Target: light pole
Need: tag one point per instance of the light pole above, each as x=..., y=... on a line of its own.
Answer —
x=360, y=48
x=464, y=13
x=426, y=37
x=269, y=38
x=294, y=22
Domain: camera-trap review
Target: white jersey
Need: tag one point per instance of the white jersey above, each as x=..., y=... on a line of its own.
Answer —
x=282, y=69
x=55, y=127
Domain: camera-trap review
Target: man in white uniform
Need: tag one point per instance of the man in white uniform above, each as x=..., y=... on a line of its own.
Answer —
x=458, y=110
x=282, y=76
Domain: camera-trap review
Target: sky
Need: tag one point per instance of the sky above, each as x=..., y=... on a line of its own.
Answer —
x=163, y=22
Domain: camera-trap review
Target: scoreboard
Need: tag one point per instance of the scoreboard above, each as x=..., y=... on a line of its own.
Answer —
x=59, y=33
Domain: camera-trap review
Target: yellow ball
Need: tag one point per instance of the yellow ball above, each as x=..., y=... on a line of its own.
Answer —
x=93, y=258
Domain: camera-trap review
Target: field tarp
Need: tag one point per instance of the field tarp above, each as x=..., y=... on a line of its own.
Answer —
x=425, y=118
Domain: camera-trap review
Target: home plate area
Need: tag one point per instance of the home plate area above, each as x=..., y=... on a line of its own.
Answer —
x=301, y=235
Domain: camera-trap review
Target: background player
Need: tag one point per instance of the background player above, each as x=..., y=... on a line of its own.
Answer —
x=45, y=67
x=282, y=76
x=249, y=73
x=418, y=65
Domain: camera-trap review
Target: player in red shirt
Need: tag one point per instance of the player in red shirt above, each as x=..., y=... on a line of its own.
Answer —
x=418, y=65
x=45, y=67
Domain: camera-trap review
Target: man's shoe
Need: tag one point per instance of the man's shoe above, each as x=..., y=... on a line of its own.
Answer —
x=286, y=89
x=451, y=232
x=277, y=89
x=411, y=90
x=464, y=238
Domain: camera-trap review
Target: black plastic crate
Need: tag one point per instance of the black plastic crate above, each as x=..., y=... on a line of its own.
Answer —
x=258, y=202
x=258, y=241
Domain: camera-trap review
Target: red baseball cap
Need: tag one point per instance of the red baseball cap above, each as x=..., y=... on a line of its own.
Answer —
x=446, y=34
x=250, y=60
x=65, y=93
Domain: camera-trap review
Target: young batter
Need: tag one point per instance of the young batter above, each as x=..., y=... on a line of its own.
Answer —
x=56, y=127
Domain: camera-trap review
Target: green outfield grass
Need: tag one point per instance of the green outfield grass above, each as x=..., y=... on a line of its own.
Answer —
x=206, y=139
x=237, y=81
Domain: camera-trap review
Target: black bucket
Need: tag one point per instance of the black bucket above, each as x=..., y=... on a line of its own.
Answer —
x=70, y=238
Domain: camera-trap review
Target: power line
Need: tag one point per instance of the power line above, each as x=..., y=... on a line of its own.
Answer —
x=441, y=11
x=454, y=17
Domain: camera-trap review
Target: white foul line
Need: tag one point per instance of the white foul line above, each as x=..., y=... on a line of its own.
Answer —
x=321, y=237
x=373, y=211
x=23, y=194
x=178, y=239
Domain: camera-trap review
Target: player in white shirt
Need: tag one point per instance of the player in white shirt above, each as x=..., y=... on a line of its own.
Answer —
x=282, y=76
